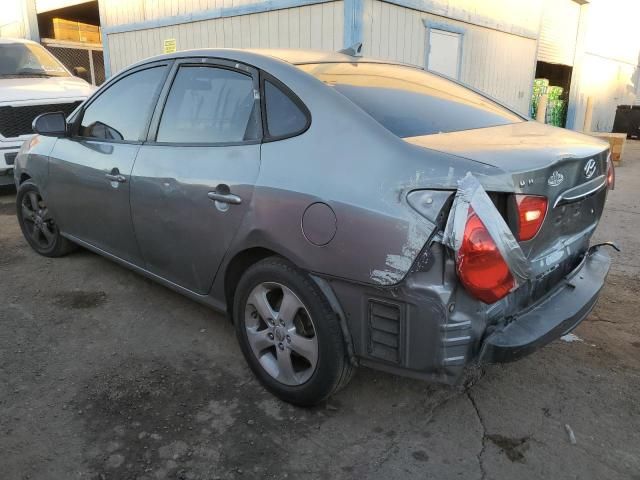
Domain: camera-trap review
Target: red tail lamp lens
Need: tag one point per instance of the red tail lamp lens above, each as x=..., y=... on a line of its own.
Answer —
x=481, y=268
x=531, y=212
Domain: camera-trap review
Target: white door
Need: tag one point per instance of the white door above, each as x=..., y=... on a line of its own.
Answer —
x=444, y=52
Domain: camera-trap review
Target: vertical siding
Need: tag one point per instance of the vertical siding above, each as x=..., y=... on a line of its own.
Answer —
x=120, y=12
x=559, y=32
x=508, y=14
x=497, y=63
x=317, y=26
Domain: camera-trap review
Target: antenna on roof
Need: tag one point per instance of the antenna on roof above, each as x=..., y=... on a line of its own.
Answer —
x=354, y=50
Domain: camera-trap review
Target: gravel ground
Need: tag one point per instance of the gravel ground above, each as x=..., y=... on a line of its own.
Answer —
x=105, y=375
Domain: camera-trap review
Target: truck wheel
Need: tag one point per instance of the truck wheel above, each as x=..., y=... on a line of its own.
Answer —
x=37, y=225
x=289, y=334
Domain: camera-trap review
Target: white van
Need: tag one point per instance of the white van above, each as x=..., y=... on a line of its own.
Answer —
x=32, y=81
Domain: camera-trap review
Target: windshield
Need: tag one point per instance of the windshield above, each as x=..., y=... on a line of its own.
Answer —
x=411, y=102
x=28, y=60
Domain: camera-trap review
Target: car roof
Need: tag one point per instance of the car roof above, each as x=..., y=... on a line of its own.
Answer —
x=301, y=57
x=288, y=55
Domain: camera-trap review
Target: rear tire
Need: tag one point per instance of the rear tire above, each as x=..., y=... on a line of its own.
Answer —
x=289, y=334
x=37, y=225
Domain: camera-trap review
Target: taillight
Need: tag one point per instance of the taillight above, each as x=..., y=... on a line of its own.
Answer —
x=480, y=265
x=531, y=212
x=611, y=174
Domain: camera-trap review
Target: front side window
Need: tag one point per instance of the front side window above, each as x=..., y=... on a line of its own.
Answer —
x=28, y=60
x=284, y=117
x=410, y=102
x=123, y=110
x=209, y=105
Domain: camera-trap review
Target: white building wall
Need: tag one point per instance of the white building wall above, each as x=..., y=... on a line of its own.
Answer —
x=14, y=19
x=498, y=63
x=607, y=62
x=511, y=16
x=14, y=29
x=121, y=12
x=47, y=5
x=318, y=26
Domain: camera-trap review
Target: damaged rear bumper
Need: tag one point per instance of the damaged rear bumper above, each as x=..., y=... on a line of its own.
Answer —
x=430, y=328
x=554, y=316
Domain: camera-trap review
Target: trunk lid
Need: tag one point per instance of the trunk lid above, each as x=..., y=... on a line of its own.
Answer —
x=518, y=147
x=568, y=168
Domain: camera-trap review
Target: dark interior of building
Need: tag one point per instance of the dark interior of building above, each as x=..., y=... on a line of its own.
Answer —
x=85, y=13
x=558, y=76
x=72, y=34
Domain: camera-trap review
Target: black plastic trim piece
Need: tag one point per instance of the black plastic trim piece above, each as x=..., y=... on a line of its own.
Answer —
x=267, y=137
x=554, y=316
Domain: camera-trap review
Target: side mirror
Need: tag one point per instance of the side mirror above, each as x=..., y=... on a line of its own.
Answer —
x=52, y=124
x=82, y=73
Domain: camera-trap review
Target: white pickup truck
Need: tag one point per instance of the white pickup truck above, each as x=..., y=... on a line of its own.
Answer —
x=32, y=81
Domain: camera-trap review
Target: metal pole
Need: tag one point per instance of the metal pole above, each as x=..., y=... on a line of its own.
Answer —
x=588, y=116
x=541, y=114
x=91, y=67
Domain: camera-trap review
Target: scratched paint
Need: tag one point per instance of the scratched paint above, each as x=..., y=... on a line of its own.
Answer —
x=398, y=264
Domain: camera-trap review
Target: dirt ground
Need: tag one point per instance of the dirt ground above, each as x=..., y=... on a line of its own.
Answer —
x=105, y=375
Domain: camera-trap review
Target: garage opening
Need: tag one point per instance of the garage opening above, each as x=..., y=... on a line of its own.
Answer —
x=72, y=34
x=555, y=81
x=556, y=55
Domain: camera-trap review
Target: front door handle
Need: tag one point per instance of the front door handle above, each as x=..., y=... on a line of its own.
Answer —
x=115, y=176
x=223, y=194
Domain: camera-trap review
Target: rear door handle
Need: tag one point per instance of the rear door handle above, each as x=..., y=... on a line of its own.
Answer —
x=223, y=194
x=225, y=198
x=115, y=176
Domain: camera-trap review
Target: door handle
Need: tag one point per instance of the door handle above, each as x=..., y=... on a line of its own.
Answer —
x=225, y=198
x=223, y=194
x=115, y=176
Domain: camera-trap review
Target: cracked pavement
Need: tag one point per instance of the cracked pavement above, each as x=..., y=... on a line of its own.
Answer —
x=483, y=472
x=105, y=375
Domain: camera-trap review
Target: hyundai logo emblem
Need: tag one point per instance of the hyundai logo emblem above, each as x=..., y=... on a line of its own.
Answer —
x=590, y=168
x=555, y=179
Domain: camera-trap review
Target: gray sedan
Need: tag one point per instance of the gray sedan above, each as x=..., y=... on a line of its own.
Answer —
x=343, y=211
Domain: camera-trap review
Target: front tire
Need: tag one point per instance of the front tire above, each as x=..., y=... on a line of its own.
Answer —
x=37, y=225
x=289, y=334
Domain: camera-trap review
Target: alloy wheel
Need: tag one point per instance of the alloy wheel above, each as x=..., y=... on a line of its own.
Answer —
x=281, y=333
x=38, y=223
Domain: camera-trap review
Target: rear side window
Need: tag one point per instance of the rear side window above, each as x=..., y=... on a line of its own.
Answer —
x=411, y=102
x=284, y=117
x=123, y=110
x=209, y=105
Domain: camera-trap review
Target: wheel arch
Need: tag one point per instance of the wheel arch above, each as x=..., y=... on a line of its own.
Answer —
x=242, y=260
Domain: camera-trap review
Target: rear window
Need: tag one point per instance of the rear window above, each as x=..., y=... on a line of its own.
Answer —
x=411, y=102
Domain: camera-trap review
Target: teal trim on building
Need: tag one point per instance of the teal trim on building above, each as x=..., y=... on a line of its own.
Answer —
x=353, y=13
